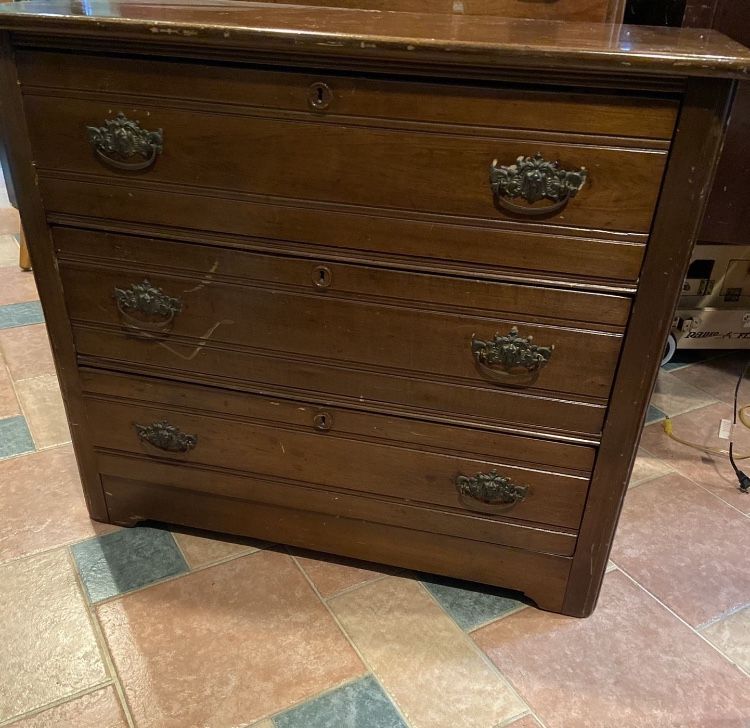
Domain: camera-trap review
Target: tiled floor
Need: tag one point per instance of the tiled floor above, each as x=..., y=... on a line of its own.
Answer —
x=107, y=628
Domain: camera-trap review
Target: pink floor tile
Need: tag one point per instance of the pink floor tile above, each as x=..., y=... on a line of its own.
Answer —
x=332, y=574
x=630, y=665
x=42, y=504
x=717, y=377
x=16, y=286
x=686, y=547
x=225, y=646
x=713, y=472
x=27, y=351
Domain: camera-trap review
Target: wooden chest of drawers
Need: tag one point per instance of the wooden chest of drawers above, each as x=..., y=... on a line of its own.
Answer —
x=396, y=296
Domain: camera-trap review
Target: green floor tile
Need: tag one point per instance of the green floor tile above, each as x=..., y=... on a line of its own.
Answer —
x=20, y=314
x=125, y=560
x=471, y=605
x=361, y=704
x=15, y=438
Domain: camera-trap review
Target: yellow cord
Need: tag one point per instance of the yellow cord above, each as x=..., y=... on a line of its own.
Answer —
x=669, y=432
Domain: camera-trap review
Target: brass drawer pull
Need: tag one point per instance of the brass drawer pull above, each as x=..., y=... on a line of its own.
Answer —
x=511, y=358
x=124, y=144
x=491, y=488
x=141, y=303
x=166, y=437
x=534, y=179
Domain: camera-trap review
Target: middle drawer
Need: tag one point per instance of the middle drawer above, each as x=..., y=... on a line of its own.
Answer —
x=459, y=347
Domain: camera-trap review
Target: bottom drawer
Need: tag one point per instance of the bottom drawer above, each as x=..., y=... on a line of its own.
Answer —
x=493, y=487
x=542, y=577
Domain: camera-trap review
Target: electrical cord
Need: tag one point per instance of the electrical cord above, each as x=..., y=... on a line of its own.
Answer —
x=742, y=478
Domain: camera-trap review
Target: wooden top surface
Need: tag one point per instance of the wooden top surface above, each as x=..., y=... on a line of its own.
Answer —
x=446, y=39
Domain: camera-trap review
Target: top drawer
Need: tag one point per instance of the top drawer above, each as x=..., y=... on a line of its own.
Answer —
x=375, y=145
x=347, y=95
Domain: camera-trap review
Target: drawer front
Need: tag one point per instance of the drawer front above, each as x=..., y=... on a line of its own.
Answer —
x=149, y=490
x=445, y=330
x=310, y=230
x=401, y=170
x=338, y=98
x=332, y=448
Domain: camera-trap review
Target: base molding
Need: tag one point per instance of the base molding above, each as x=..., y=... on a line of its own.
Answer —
x=541, y=577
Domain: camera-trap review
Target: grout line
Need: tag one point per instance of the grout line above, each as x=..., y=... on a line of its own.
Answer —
x=715, y=495
x=510, y=721
x=723, y=616
x=102, y=643
x=355, y=587
x=182, y=553
x=56, y=703
x=482, y=625
x=486, y=658
x=679, y=618
x=303, y=701
x=402, y=713
x=21, y=407
x=173, y=577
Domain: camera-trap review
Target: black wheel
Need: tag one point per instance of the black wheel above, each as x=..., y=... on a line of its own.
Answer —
x=669, y=349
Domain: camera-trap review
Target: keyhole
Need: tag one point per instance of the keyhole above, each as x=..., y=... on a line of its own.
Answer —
x=320, y=95
x=323, y=421
x=322, y=276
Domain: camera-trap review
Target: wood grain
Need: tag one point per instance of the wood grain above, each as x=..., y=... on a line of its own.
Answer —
x=340, y=459
x=396, y=169
x=540, y=576
x=281, y=32
x=354, y=98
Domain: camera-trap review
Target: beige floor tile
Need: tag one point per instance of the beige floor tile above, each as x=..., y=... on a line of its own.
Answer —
x=48, y=646
x=226, y=645
x=42, y=504
x=332, y=574
x=8, y=251
x=647, y=467
x=100, y=709
x=686, y=547
x=630, y=664
x=42, y=404
x=675, y=397
x=422, y=658
x=202, y=550
x=732, y=636
x=717, y=377
x=8, y=401
x=713, y=472
x=27, y=351
x=16, y=286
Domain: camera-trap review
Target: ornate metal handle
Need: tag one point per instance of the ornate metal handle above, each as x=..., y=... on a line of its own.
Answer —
x=124, y=144
x=511, y=357
x=491, y=488
x=166, y=437
x=534, y=179
x=143, y=301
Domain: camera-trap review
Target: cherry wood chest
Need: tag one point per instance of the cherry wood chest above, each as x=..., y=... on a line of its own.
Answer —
x=392, y=285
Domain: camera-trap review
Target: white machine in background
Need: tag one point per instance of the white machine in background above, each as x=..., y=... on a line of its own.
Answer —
x=714, y=309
